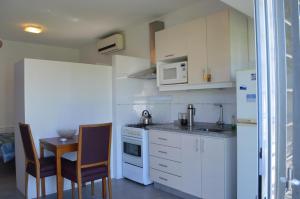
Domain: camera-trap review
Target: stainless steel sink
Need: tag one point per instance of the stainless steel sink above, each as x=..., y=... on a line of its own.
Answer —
x=211, y=130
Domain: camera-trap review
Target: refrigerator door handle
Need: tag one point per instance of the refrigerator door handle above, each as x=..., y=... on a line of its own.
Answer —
x=246, y=121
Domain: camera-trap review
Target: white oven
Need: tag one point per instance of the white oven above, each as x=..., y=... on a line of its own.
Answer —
x=135, y=155
x=132, y=151
x=173, y=73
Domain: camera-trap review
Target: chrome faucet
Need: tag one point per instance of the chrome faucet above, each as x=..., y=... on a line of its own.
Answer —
x=220, y=122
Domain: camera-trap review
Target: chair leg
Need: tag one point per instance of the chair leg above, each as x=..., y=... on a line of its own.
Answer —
x=109, y=187
x=26, y=185
x=63, y=184
x=93, y=188
x=43, y=188
x=73, y=190
x=38, y=187
x=103, y=187
x=79, y=183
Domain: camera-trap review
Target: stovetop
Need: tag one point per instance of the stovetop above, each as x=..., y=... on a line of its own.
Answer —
x=140, y=126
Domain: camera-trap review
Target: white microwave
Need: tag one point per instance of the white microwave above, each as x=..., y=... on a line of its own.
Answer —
x=173, y=73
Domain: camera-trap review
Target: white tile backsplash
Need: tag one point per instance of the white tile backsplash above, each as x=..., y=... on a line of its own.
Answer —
x=204, y=102
x=166, y=109
x=161, y=113
x=203, y=96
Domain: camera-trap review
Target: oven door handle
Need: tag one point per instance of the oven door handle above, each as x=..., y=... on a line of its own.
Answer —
x=129, y=138
x=132, y=141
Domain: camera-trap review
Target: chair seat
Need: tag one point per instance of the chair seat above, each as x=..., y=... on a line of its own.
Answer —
x=47, y=167
x=87, y=174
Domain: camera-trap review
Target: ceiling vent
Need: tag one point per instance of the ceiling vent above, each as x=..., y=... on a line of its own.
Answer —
x=111, y=44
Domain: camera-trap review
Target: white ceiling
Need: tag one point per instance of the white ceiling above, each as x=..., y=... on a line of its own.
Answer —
x=73, y=23
x=245, y=6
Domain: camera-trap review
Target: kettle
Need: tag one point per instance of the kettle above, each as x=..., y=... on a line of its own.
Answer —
x=146, y=118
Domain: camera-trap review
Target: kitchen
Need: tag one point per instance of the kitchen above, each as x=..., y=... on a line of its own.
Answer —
x=155, y=145
x=179, y=87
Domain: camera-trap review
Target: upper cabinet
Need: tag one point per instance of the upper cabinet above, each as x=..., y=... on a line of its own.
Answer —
x=197, y=53
x=214, y=47
x=227, y=44
x=171, y=43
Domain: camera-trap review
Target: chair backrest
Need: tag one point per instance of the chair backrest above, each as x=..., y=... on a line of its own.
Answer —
x=94, y=145
x=28, y=143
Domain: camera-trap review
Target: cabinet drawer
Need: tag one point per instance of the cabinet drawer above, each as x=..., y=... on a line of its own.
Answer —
x=166, y=165
x=165, y=179
x=165, y=138
x=165, y=152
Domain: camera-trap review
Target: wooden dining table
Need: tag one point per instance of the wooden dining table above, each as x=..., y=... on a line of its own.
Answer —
x=58, y=148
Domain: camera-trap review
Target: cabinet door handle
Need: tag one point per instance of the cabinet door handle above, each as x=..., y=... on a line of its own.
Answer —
x=162, y=165
x=197, y=145
x=202, y=145
x=170, y=55
x=164, y=139
x=164, y=179
x=163, y=152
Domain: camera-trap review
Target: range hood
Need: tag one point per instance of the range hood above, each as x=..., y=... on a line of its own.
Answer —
x=150, y=73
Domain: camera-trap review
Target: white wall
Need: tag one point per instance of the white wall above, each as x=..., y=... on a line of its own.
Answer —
x=59, y=95
x=137, y=35
x=89, y=54
x=11, y=53
x=132, y=96
x=251, y=42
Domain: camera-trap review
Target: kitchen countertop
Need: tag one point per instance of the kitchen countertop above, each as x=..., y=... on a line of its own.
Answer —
x=195, y=130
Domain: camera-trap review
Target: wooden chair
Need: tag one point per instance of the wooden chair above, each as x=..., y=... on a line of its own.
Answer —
x=40, y=168
x=93, y=159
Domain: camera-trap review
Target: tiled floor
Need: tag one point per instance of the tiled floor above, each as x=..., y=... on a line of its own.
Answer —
x=122, y=189
x=8, y=182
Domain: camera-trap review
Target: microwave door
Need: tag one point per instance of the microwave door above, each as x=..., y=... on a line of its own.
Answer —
x=172, y=74
x=169, y=74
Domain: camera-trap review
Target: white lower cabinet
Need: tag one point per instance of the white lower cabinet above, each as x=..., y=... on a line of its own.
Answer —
x=167, y=179
x=191, y=163
x=213, y=167
x=166, y=166
x=166, y=158
x=203, y=166
x=219, y=168
x=165, y=152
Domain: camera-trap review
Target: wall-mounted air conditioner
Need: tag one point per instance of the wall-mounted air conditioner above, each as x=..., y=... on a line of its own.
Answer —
x=111, y=44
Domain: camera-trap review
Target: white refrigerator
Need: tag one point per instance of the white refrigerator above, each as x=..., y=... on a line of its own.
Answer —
x=247, y=135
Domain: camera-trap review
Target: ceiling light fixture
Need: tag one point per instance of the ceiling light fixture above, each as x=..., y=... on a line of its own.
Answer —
x=33, y=29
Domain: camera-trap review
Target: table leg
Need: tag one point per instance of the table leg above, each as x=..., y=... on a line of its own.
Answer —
x=43, y=179
x=59, y=179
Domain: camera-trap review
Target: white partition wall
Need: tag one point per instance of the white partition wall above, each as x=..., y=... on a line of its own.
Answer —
x=54, y=95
